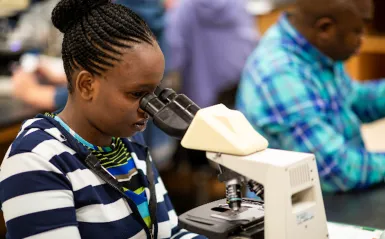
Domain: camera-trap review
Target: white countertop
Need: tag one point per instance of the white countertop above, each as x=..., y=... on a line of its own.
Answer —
x=374, y=135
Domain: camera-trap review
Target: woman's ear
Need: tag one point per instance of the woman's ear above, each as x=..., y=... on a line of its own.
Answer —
x=85, y=85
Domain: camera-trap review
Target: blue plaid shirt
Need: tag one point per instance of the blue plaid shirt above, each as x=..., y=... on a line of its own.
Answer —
x=301, y=100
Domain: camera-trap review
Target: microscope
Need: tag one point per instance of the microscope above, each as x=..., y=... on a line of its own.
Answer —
x=287, y=183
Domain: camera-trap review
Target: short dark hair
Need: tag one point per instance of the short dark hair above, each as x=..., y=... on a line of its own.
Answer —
x=94, y=30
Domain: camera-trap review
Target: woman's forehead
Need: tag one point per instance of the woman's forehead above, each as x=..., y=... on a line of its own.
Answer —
x=142, y=62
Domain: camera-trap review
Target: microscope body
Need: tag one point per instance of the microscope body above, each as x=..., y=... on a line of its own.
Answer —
x=293, y=206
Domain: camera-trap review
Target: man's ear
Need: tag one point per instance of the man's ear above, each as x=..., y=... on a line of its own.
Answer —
x=326, y=28
x=85, y=84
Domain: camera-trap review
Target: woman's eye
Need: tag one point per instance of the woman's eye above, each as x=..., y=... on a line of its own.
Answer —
x=137, y=94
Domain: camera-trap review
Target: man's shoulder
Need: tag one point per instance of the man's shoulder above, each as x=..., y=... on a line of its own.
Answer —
x=271, y=62
x=276, y=53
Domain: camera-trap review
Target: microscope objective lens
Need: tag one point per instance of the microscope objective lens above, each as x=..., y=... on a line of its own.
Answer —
x=234, y=196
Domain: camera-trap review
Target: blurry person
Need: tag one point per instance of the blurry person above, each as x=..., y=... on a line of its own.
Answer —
x=297, y=94
x=208, y=43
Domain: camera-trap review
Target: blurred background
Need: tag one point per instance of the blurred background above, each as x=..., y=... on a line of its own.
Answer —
x=206, y=44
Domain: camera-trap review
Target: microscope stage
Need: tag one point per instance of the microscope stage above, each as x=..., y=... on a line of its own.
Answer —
x=216, y=220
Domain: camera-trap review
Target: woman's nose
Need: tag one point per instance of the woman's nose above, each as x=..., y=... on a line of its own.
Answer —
x=142, y=112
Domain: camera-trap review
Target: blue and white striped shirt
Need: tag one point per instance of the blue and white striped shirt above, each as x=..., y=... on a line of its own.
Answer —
x=47, y=192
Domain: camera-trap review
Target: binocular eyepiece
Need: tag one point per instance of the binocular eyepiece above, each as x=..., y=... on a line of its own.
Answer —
x=171, y=112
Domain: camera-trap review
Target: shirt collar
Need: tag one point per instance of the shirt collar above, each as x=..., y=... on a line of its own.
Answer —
x=305, y=49
x=83, y=141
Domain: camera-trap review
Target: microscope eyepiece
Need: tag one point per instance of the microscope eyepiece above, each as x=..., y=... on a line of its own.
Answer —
x=171, y=112
x=158, y=90
x=166, y=95
x=145, y=99
x=151, y=104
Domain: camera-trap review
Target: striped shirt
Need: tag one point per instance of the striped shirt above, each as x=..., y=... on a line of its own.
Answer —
x=118, y=161
x=301, y=100
x=46, y=191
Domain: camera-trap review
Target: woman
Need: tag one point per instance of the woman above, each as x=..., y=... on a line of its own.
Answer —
x=75, y=175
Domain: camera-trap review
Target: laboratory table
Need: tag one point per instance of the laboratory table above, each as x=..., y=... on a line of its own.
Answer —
x=364, y=208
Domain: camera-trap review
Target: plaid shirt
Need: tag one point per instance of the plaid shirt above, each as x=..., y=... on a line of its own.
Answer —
x=301, y=100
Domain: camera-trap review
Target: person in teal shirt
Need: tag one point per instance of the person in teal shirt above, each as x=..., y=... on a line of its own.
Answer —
x=297, y=94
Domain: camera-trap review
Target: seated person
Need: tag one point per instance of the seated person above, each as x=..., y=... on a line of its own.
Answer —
x=297, y=94
x=75, y=174
x=209, y=42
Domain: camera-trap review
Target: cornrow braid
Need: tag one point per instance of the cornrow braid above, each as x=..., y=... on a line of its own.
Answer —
x=94, y=30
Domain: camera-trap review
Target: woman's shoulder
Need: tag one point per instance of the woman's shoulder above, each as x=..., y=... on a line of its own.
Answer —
x=40, y=137
x=39, y=148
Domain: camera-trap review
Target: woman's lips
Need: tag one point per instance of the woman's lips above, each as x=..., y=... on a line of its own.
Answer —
x=141, y=125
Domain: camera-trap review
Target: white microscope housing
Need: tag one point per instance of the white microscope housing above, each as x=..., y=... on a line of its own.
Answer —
x=293, y=202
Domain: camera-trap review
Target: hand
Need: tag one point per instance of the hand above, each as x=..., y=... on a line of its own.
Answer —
x=27, y=88
x=51, y=74
x=23, y=84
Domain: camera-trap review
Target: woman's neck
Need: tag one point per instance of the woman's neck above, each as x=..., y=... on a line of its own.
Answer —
x=78, y=122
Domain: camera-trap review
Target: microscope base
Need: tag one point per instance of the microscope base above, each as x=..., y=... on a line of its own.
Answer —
x=216, y=221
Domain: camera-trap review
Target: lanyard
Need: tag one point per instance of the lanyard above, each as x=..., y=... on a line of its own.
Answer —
x=94, y=165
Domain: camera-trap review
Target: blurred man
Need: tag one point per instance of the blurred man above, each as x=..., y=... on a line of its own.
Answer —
x=209, y=42
x=296, y=92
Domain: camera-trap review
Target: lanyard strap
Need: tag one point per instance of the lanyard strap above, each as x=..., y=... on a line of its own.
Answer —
x=94, y=164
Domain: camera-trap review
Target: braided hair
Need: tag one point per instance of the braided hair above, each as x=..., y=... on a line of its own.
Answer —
x=94, y=30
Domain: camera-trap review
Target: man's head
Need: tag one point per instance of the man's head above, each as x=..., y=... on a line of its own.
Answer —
x=111, y=60
x=335, y=27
